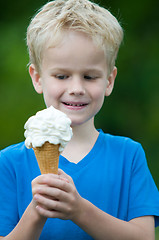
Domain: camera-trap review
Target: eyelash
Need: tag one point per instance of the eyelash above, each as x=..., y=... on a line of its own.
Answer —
x=87, y=77
x=61, y=77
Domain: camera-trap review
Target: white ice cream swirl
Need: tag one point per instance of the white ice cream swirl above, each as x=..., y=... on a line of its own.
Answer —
x=48, y=125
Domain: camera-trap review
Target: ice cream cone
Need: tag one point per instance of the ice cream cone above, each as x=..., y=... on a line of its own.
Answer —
x=47, y=157
x=48, y=132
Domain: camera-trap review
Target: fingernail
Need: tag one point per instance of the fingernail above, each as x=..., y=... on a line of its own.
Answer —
x=35, y=197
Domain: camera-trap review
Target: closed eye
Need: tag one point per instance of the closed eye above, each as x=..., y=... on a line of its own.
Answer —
x=88, y=77
x=61, y=76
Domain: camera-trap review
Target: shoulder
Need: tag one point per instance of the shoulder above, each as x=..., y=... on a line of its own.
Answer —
x=10, y=155
x=13, y=151
x=14, y=147
x=14, y=154
x=18, y=160
x=119, y=142
x=122, y=149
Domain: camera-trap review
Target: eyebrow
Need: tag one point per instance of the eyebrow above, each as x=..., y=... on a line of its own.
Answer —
x=86, y=70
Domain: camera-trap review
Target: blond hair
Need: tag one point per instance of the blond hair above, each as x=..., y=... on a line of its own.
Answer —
x=80, y=15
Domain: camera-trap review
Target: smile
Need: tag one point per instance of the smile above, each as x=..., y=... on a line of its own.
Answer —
x=75, y=105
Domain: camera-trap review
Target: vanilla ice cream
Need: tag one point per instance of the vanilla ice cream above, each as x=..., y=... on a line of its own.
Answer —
x=49, y=125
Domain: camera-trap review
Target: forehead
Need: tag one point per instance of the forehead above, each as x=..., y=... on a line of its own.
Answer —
x=74, y=47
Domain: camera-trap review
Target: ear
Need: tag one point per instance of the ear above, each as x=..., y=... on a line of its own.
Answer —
x=110, y=82
x=36, y=80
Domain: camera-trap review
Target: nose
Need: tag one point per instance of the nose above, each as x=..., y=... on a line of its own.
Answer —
x=76, y=86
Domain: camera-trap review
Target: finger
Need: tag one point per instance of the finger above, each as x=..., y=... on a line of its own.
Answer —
x=38, y=183
x=45, y=202
x=50, y=214
x=61, y=173
x=44, y=178
x=64, y=175
x=41, y=179
x=50, y=204
x=57, y=182
x=52, y=193
x=50, y=184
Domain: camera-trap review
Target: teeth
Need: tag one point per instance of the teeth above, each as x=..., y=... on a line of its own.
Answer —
x=76, y=105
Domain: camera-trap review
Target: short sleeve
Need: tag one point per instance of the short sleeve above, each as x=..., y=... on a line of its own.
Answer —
x=143, y=193
x=8, y=196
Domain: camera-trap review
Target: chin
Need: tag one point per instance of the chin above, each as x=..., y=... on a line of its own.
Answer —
x=76, y=123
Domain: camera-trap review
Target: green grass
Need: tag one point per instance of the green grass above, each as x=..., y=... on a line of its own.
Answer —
x=157, y=233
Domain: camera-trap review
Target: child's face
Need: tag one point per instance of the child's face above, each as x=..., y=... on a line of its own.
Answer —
x=74, y=77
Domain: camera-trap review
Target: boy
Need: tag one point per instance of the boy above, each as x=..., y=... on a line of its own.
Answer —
x=104, y=190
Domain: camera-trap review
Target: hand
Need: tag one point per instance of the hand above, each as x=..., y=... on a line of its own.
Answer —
x=56, y=196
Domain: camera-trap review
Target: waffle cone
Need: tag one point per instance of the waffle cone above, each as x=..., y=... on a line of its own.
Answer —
x=47, y=157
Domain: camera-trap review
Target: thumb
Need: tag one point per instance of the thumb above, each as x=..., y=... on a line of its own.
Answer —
x=64, y=176
x=61, y=172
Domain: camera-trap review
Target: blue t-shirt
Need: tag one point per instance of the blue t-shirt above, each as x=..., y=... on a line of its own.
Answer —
x=114, y=176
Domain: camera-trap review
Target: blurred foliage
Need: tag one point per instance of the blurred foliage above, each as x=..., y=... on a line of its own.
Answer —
x=132, y=109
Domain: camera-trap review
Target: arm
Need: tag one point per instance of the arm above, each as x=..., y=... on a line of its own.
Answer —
x=31, y=224
x=59, y=199
x=29, y=227
x=103, y=226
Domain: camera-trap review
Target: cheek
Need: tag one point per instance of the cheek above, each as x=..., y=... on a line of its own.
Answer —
x=98, y=93
x=53, y=88
x=98, y=98
x=51, y=92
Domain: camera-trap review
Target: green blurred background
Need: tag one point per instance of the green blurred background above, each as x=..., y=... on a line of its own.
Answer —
x=132, y=109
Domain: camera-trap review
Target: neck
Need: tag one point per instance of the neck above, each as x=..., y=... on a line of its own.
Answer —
x=83, y=139
x=84, y=132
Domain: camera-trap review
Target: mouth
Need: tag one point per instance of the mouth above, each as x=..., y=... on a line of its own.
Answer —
x=75, y=105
